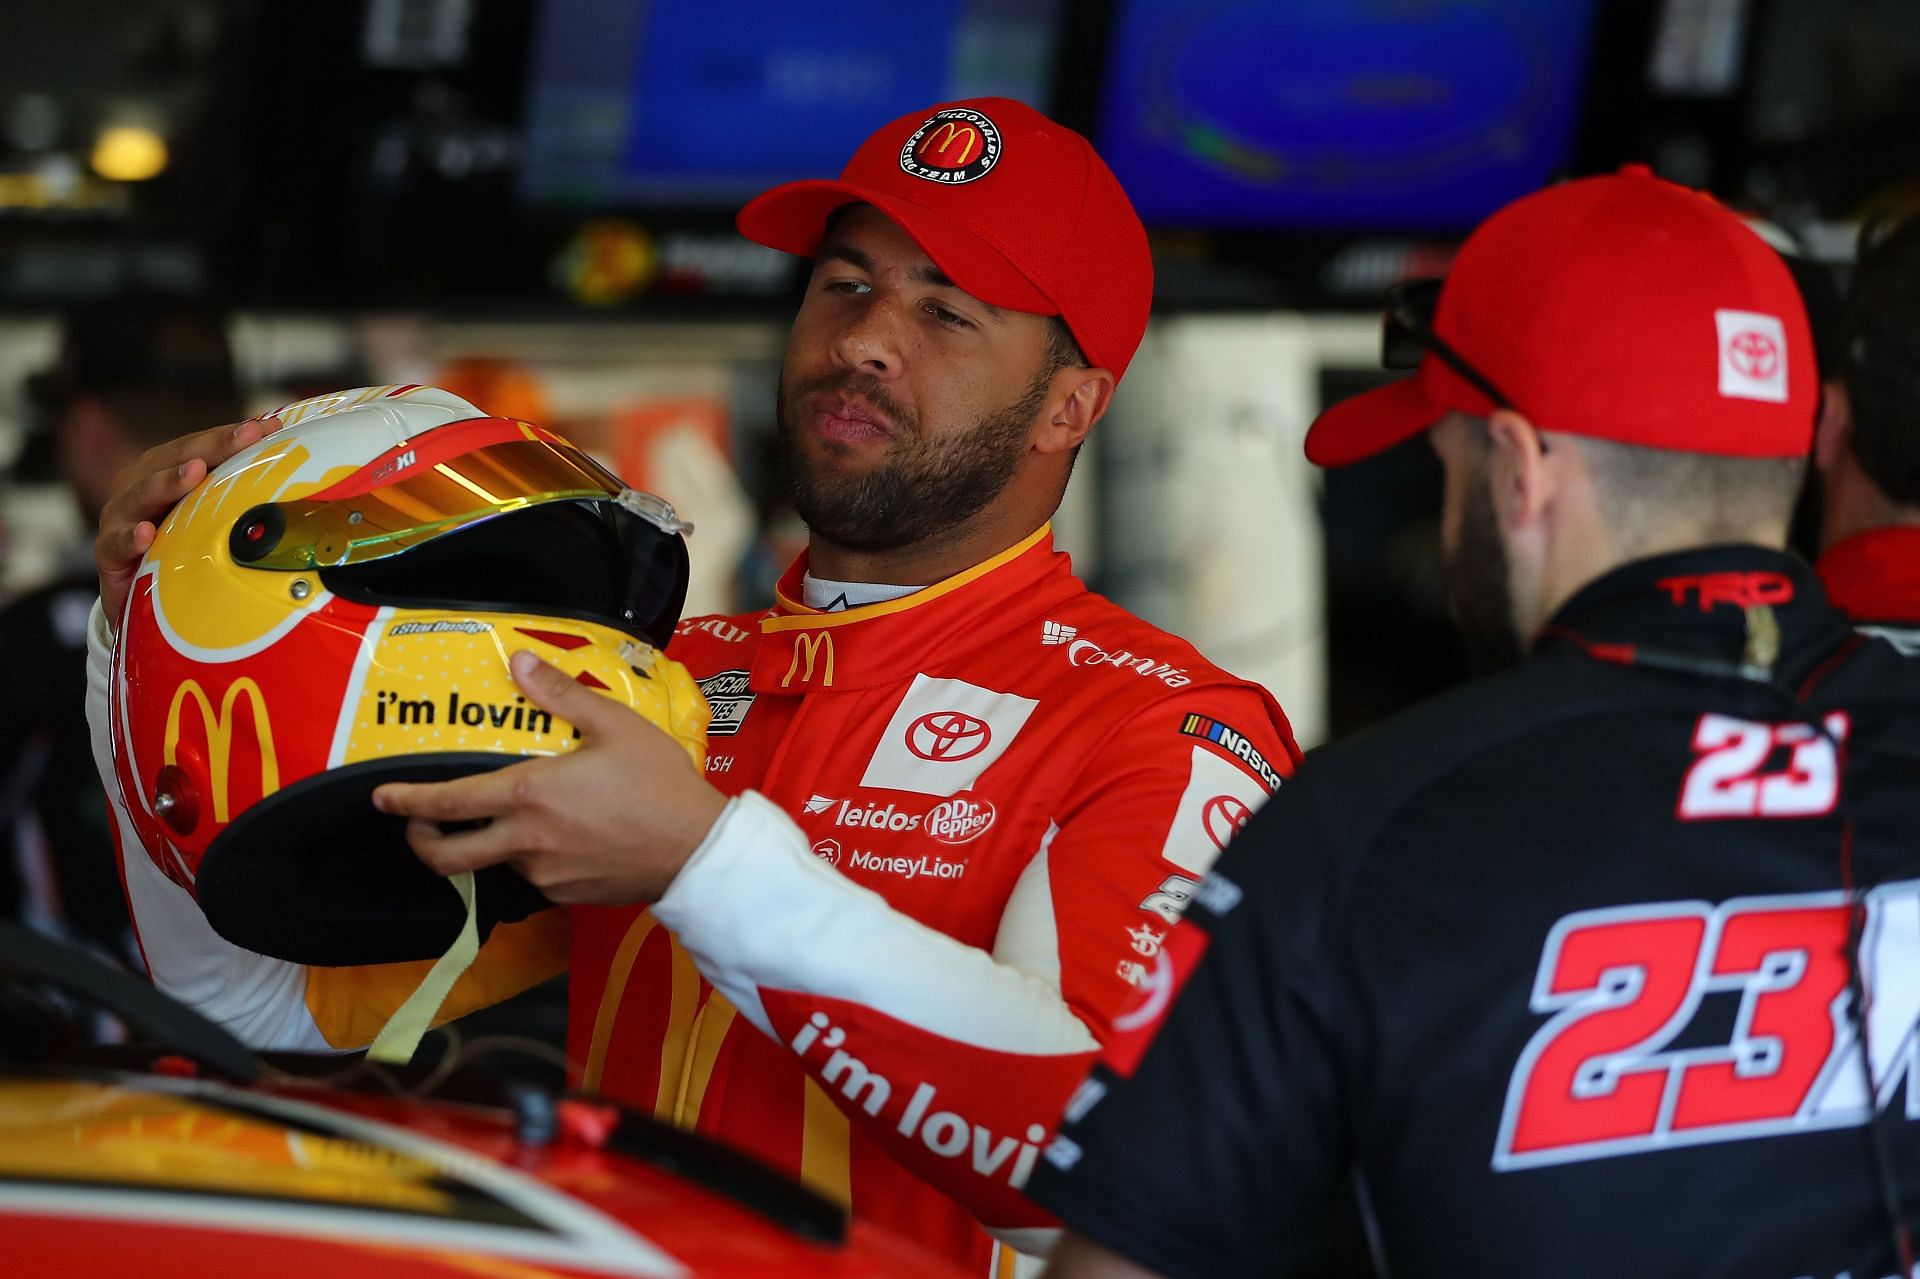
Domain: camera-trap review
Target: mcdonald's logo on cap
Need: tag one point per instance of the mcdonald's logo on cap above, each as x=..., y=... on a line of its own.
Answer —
x=947, y=135
x=954, y=146
x=218, y=726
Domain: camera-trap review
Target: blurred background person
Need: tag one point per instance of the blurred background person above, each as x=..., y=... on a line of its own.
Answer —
x=132, y=371
x=1868, y=455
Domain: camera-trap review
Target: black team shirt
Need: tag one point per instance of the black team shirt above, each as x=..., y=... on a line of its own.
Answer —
x=1556, y=967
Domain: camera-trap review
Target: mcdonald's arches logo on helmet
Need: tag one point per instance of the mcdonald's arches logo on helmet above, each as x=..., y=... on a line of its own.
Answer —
x=218, y=726
x=953, y=146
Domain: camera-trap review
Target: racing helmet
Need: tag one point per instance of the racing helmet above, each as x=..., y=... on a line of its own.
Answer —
x=333, y=609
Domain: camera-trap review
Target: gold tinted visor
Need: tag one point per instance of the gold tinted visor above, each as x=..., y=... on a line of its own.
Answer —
x=423, y=504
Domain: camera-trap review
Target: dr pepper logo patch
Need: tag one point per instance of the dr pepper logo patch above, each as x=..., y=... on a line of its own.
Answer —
x=953, y=146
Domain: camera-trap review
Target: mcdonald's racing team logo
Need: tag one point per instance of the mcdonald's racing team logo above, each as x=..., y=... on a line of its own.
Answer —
x=218, y=726
x=953, y=146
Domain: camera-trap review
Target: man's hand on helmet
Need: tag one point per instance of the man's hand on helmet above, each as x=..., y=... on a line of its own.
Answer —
x=608, y=823
x=146, y=491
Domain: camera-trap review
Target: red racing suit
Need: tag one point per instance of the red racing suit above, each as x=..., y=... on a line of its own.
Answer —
x=964, y=822
x=1874, y=578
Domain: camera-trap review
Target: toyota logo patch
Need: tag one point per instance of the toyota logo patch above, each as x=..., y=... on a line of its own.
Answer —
x=1224, y=816
x=947, y=737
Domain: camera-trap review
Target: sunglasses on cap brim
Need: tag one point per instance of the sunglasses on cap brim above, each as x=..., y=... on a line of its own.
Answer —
x=1408, y=334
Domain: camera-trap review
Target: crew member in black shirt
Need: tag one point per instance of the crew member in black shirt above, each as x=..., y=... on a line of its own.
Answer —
x=1606, y=964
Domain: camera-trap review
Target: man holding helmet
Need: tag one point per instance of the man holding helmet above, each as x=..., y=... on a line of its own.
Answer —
x=956, y=799
x=1605, y=965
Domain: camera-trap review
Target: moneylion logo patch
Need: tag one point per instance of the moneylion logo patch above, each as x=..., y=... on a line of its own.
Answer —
x=954, y=146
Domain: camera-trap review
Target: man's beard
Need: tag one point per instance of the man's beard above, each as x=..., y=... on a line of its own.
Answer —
x=923, y=488
x=1479, y=592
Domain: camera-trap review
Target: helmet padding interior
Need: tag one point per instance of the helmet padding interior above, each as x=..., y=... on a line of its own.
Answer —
x=316, y=874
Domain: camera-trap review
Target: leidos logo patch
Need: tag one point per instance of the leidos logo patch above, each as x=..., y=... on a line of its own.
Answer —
x=959, y=820
x=953, y=146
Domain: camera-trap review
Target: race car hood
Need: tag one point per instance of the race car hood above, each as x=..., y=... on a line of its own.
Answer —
x=162, y=1176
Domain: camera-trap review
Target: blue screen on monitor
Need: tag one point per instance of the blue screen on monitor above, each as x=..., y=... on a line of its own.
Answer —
x=712, y=101
x=1413, y=115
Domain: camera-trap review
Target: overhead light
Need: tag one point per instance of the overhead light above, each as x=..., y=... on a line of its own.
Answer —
x=129, y=153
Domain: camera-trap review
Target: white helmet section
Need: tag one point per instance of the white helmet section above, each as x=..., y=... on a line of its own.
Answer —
x=365, y=422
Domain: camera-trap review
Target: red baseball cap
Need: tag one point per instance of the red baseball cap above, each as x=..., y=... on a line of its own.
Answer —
x=1015, y=209
x=1622, y=307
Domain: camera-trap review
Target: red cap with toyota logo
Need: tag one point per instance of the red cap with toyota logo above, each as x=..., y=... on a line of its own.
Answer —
x=1017, y=210
x=1622, y=307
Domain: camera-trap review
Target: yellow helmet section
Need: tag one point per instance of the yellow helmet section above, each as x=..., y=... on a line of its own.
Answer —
x=191, y=564
x=439, y=682
x=207, y=608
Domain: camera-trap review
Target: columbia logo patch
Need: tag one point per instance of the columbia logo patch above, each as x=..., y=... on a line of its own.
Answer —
x=1753, y=356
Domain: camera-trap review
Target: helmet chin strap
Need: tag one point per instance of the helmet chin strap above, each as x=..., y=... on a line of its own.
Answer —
x=400, y=1037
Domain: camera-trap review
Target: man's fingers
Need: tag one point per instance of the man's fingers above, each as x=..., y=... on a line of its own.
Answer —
x=130, y=543
x=149, y=488
x=117, y=556
x=210, y=447
x=136, y=508
x=464, y=799
x=158, y=492
x=153, y=486
x=451, y=852
x=550, y=689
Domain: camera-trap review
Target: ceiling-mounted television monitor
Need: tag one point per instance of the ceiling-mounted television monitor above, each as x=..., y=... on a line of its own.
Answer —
x=682, y=103
x=1407, y=115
